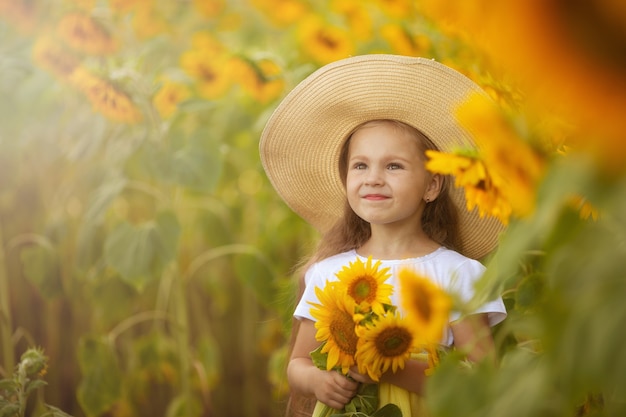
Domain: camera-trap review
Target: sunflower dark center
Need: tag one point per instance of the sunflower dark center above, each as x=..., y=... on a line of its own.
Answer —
x=363, y=289
x=393, y=341
x=342, y=329
x=422, y=303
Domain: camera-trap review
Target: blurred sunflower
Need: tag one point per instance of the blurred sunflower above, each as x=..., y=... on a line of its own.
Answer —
x=22, y=14
x=53, y=57
x=85, y=34
x=261, y=79
x=357, y=17
x=126, y=6
x=148, y=22
x=365, y=284
x=335, y=326
x=168, y=97
x=384, y=344
x=211, y=73
x=469, y=172
x=398, y=9
x=403, y=42
x=570, y=57
x=515, y=167
x=426, y=305
x=209, y=8
x=281, y=13
x=106, y=98
x=324, y=42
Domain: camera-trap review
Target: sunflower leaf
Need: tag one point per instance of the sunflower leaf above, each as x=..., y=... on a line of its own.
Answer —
x=390, y=410
x=320, y=359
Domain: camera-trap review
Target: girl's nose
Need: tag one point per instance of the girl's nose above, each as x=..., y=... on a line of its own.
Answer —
x=373, y=177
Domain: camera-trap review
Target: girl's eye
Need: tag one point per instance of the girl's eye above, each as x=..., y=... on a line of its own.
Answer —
x=394, y=166
x=359, y=165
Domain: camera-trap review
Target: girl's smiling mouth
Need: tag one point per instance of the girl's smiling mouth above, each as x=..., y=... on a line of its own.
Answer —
x=375, y=197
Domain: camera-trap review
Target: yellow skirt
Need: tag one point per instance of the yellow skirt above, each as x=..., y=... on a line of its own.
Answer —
x=410, y=404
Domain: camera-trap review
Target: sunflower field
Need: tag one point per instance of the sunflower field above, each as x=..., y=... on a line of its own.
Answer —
x=146, y=263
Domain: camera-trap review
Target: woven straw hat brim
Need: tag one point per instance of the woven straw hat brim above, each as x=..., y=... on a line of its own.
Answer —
x=301, y=142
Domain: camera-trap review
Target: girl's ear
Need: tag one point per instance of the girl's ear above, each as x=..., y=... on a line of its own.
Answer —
x=434, y=187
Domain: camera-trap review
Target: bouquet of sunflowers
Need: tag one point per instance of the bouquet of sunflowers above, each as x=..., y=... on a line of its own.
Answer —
x=359, y=326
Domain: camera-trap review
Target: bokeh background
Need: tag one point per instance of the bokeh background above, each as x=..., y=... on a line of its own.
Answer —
x=143, y=249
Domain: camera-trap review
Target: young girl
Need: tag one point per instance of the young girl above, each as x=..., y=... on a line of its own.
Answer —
x=346, y=151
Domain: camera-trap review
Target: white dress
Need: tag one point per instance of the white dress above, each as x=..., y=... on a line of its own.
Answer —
x=451, y=271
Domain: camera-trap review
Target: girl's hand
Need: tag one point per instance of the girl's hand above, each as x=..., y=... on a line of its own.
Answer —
x=334, y=389
x=362, y=378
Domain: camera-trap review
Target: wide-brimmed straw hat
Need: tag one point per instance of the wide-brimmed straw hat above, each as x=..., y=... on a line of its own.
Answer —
x=302, y=141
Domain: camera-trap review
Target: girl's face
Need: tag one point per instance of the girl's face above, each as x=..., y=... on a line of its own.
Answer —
x=387, y=183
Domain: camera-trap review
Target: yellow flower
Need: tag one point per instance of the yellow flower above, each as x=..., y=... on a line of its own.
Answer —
x=470, y=172
x=126, y=6
x=384, y=344
x=365, y=284
x=399, y=9
x=324, y=43
x=585, y=209
x=403, y=42
x=209, y=8
x=210, y=72
x=356, y=16
x=281, y=13
x=168, y=97
x=85, y=35
x=206, y=42
x=514, y=166
x=148, y=22
x=51, y=56
x=426, y=305
x=23, y=14
x=105, y=97
x=261, y=79
x=335, y=326
x=567, y=55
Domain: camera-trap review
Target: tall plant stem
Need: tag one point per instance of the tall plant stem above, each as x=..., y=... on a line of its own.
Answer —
x=7, y=358
x=182, y=331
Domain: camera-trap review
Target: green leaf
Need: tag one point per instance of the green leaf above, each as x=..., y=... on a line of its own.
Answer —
x=35, y=384
x=319, y=359
x=184, y=406
x=255, y=274
x=197, y=167
x=40, y=267
x=9, y=410
x=140, y=252
x=103, y=197
x=100, y=386
x=389, y=410
x=529, y=291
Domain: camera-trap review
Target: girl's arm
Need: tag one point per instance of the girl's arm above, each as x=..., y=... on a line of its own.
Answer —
x=329, y=387
x=472, y=335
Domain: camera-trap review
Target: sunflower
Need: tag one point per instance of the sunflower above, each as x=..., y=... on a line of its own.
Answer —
x=168, y=97
x=85, y=34
x=52, y=56
x=515, y=167
x=105, y=97
x=261, y=79
x=365, y=284
x=325, y=42
x=469, y=171
x=426, y=305
x=383, y=344
x=335, y=326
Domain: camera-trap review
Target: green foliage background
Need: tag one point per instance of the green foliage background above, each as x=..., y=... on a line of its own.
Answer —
x=152, y=261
